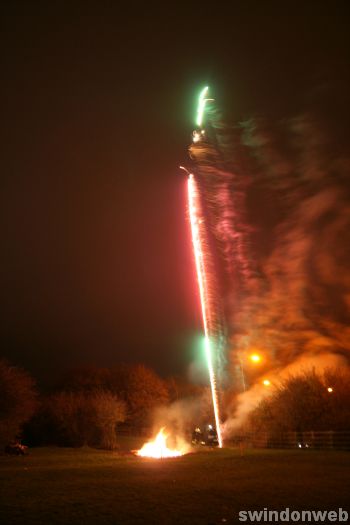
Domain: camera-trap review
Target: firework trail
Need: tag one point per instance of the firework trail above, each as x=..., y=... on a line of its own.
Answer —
x=205, y=282
x=216, y=205
x=223, y=186
x=275, y=201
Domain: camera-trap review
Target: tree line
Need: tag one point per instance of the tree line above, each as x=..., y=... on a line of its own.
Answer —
x=91, y=405
x=87, y=407
x=309, y=401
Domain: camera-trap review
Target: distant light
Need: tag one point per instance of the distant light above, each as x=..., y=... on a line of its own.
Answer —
x=330, y=389
x=266, y=382
x=255, y=358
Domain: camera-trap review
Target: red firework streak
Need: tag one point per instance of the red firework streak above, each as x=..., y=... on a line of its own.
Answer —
x=202, y=258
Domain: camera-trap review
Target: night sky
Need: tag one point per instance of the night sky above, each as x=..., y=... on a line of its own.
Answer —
x=98, y=108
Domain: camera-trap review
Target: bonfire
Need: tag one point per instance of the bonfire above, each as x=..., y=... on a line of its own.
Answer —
x=158, y=448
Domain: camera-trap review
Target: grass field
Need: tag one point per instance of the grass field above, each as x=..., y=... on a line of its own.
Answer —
x=91, y=487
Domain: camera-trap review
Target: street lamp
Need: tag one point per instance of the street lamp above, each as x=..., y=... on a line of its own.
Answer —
x=255, y=358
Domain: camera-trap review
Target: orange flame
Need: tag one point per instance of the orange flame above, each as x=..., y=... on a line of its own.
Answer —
x=158, y=449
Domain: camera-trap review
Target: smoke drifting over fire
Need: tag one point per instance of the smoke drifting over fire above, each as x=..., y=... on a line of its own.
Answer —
x=280, y=205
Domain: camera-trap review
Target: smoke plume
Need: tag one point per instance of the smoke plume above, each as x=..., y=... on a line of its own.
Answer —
x=280, y=198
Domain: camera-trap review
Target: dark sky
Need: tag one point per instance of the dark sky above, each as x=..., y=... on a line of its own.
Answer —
x=98, y=107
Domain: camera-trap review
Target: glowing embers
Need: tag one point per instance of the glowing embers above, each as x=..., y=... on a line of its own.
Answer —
x=158, y=448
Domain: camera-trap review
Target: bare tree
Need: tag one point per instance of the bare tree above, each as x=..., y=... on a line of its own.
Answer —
x=306, y=402
x=108, y=411
x=87, y=418
x=145, y=391
x=17, y=401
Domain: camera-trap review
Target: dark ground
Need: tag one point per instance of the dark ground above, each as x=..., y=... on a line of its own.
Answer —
x=85, y=486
